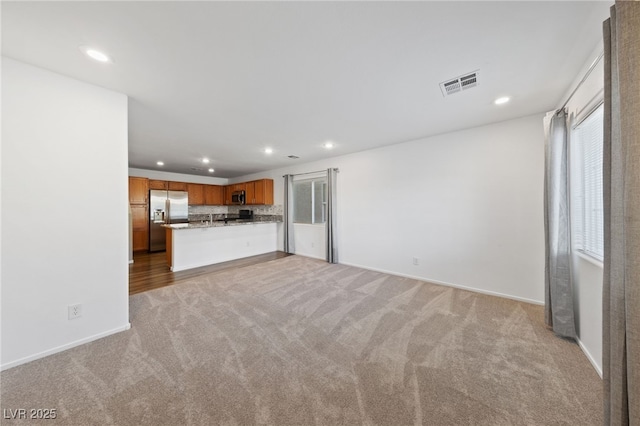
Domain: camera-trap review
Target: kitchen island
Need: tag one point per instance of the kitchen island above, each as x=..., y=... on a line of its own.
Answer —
x=191, y=245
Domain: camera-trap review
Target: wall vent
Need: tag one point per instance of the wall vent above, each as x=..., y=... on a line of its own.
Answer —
x=458, y=84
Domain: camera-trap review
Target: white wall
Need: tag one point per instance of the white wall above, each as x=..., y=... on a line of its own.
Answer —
x=587, y=274
x=65, y=212
x=177, y=177
x=310, y=240
x=467, y=204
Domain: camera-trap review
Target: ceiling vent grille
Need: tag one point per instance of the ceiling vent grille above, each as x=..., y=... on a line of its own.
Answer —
x=458, y=84
x=293, y=157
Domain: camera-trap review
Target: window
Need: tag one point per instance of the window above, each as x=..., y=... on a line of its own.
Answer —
x=310, y=200
x=586, y=185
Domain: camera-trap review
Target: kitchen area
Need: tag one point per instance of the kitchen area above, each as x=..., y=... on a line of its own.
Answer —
x=199, y=224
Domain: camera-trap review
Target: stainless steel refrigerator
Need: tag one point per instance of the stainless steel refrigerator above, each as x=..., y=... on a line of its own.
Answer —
x=165, y=207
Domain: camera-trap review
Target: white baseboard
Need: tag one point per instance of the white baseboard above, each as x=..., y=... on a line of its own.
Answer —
x=57, y=349
x=461, y=287
x=590, y=358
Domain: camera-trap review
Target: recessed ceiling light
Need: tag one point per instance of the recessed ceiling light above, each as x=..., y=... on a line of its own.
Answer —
x=160, y=163
x=328, y=145
x=502, y=100
x=205, y=160
x=268, y=150
x=96, y=54
x=211, y=170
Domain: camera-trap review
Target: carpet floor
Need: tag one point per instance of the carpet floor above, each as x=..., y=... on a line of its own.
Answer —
x=298, y=341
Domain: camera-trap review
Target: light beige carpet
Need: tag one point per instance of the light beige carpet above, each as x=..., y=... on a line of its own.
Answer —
x=297, y=341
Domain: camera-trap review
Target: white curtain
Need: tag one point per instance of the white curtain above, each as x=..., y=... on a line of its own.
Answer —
x=332, y=246
x=289, y=242
x=621, y=183
x=558, y=287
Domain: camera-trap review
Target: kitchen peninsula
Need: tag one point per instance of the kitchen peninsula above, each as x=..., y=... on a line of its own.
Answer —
x=190, y=245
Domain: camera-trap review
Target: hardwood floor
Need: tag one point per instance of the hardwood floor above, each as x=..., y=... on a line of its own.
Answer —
x=150, y=270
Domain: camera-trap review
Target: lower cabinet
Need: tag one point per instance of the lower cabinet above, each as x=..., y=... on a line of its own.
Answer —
x=140, y=226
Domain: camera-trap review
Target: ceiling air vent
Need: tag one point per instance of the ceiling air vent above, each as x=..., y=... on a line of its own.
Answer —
x=458, y=84
x=293, y=157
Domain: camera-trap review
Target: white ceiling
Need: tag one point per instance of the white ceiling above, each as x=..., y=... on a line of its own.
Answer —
x=225, y=80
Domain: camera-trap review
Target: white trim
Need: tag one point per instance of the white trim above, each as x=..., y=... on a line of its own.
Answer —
x=590, y=358
x=55, y=350
x=589, y=259
x=462, y=287
x=131, y=261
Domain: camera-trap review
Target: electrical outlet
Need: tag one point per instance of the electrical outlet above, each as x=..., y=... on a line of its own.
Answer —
x=416, y=261
x=75, y=311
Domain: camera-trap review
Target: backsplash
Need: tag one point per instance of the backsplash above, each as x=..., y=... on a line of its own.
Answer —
x=193, y=210
x=257, y=210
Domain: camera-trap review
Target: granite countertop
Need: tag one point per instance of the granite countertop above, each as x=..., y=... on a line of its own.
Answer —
x=218, y=223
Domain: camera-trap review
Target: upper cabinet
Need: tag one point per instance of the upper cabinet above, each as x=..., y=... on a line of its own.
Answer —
x=259, y=192
x=237, y=187
x=170, y=185
x=158, y=184
x=230, y=189
x=138, y=190
x=196, y=194
x=213, y=195
x=177, y=186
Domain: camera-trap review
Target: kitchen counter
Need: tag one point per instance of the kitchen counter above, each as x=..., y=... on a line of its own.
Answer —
x=191, y=245
x=219, y=222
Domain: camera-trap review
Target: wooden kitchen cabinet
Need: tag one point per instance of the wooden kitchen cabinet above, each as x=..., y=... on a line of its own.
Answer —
x=213, y=195
x=227, y=195
x=138, y=190
x=229, y=189
x=237, y=187
x=259, y=192
x=177, y=186
x=140, y=226
x=249, y=195
x=158, y=184
x=167, y=185
x=196, y=194
x=139, y=203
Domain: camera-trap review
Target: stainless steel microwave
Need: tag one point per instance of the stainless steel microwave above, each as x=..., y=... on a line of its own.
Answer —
x=237, y=197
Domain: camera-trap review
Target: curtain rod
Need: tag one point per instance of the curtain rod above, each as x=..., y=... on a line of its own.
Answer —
x=593, y=65
x=309, y=173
